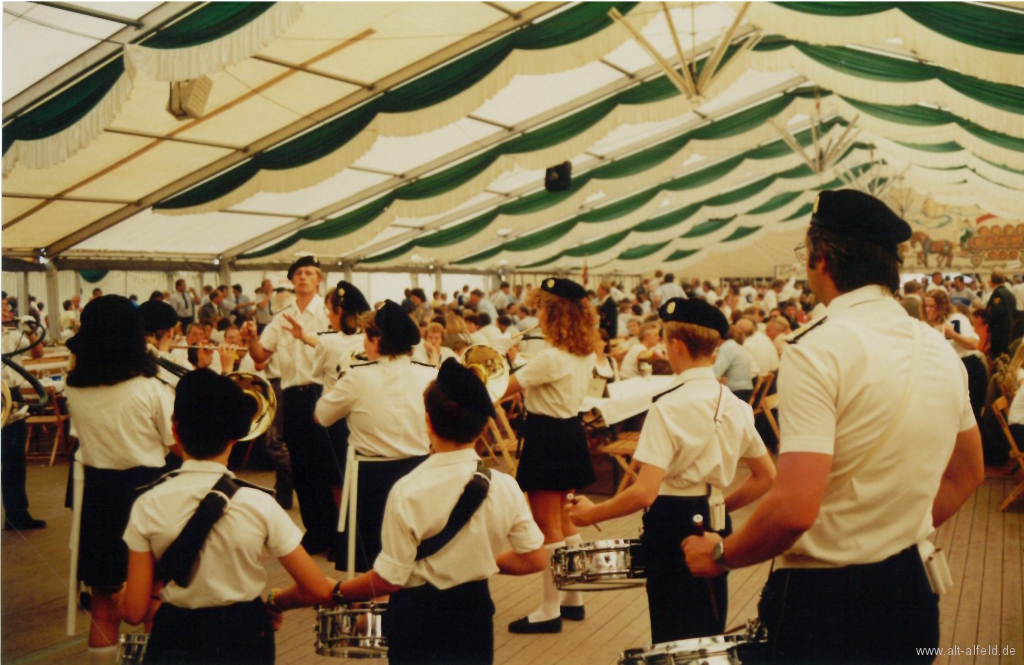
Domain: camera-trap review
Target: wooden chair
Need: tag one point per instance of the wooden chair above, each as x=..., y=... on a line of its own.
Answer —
x=999, y=408
x=761, y=388
x=499, y=438
x=621, y=450
x=53, y=417
x=769, y=402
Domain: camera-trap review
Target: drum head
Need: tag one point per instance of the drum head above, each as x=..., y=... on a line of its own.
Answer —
x=603, y=565
x=354, y=631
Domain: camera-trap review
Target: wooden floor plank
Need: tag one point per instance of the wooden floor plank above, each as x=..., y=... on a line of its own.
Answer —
x=989, y=623
x=966, y=629
x=956, y=553
x=1012, y=623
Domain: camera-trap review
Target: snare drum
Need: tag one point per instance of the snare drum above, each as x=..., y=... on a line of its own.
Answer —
x=353, y=631
x=599, y=566
x=131, y=648
x=714, y=650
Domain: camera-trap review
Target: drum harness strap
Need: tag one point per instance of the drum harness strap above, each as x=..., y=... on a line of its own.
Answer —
x=471, y=499
x=178, y=562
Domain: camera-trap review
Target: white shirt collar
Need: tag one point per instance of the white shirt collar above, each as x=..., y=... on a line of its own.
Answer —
x=452, y=457
x=864, y=294
x=695, y=373
x=205, y=466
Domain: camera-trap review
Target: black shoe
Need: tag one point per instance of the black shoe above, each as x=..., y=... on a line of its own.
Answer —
x=573, y=612
x=23, y=524
x=524, y=627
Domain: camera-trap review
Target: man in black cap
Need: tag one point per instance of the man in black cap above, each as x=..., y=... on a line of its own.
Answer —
x=314, y=466
x=443, y=533
x=878, y=448
x=1000, y=314
x=692, y=441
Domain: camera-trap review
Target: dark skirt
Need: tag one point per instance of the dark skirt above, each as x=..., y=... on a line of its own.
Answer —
x=375, y=482
x=681, y=606
x=237, y=634
x=882, y=612
x=106, y=506
x=555, y=455
x=450, y=627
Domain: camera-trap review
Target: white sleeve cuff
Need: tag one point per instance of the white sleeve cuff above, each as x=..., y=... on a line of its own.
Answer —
x=394, y=572
x=807, y=444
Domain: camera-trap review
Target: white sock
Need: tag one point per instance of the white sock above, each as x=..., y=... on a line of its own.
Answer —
x=549, y=606
x=572, y=598
x=102, y=655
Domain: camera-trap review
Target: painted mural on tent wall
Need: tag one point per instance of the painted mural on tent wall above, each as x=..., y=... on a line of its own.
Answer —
x=950, y=237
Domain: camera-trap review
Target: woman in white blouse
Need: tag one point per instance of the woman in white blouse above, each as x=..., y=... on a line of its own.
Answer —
x=957, y=328
x=122, y=414
x=556, y=459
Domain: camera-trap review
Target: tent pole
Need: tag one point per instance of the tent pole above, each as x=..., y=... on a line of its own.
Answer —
x=53, y=304
x=23, y=296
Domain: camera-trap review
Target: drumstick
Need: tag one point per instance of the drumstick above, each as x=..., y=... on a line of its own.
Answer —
x=698, y=530
x=571, y=498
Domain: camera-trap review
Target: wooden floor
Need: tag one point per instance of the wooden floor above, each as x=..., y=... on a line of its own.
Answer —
x=983, y=608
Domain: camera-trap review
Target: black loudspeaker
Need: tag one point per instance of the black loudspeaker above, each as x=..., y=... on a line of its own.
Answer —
x=558, y=178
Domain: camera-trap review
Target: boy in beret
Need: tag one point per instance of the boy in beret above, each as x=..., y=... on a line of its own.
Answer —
x=692, y=441
x=444, y=530
x=196, y=536
x=879, y=447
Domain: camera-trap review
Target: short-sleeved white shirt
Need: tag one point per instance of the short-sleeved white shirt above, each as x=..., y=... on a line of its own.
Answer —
x=295, y=356
x=124, y=425
x=966, y=330
x=229, y=569
x=383, y=402
x=839, y=387
x=333, y=355
x=419, y=506
x=679, y=434
x=12, y=341
x=555, y=382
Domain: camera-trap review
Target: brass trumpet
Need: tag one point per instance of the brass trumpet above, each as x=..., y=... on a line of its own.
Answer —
x=251, y=384
x=490, y=366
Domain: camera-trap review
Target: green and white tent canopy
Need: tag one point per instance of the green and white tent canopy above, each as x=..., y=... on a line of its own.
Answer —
x=407, y=135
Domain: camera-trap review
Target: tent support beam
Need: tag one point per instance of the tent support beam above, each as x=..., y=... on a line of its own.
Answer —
x=94, y=13
x=671, y=73
x=712, y=64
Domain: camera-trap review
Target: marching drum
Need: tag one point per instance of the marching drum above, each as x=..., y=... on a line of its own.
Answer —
x=600, y=566
x=746, y=648
x=131, y=648
x=353, y=631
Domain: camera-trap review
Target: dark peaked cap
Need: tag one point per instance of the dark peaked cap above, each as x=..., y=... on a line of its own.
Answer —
x=563, y=288
x=157, y=315
x=396, y=325
x=462, y=386
x=858, y=215
x=696, y=311
x=352, y=299
x=303, y=261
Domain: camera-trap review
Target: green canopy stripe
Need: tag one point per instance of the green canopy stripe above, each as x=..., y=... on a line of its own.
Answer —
x=598, y=246
x=93, y=276
x=803, y=212
x=704, y=228
x=212, y=21
x=680, y=254
x=776, y=202
x=951, y=146
x=65, y=109
x=742, y=232
x=642, y=251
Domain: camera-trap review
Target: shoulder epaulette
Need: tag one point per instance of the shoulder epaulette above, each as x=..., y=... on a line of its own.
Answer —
x=416, y=362
x=242, y=483
x=662, y=394
x=329, y=332
x=367, y=364
x=167, y=476
x=526, y=338
x=798, y=334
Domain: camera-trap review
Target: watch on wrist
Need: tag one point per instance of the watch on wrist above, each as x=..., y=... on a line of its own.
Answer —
x=718, y=555
x=337, y=596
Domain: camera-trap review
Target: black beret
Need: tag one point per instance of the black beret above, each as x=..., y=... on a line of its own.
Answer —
x=352, y=299
x=858, y=215
x=157, y=315
x=564, y=288
x=307, y=260
x=214, y=404
x=696, y=311
x=396, y=325
x=464, y=387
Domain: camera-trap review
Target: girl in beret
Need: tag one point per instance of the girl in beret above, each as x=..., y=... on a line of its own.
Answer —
x=556, y=459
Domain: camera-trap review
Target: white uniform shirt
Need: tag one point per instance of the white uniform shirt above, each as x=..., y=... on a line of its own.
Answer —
x=420, y=355
x=333, y=355
x=419, y=506
x=839, y=387
x=296, y=357
x=771, y=301
x=1015, y=415
x=383, y=402
x=183, y=304
x=966, y=329
x=679, y=434
x=669, y=290
x=555, y=382
x=485, y=306
x=761, y=349
x=630, y=366
x=124, y=425
x=735, y=364
x=229, y=569
x=12, y=341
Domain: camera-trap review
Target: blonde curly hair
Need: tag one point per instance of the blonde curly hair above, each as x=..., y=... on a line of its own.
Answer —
x=570, y=325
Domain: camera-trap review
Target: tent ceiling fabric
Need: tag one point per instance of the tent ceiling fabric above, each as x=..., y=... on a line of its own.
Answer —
x=407, y=135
